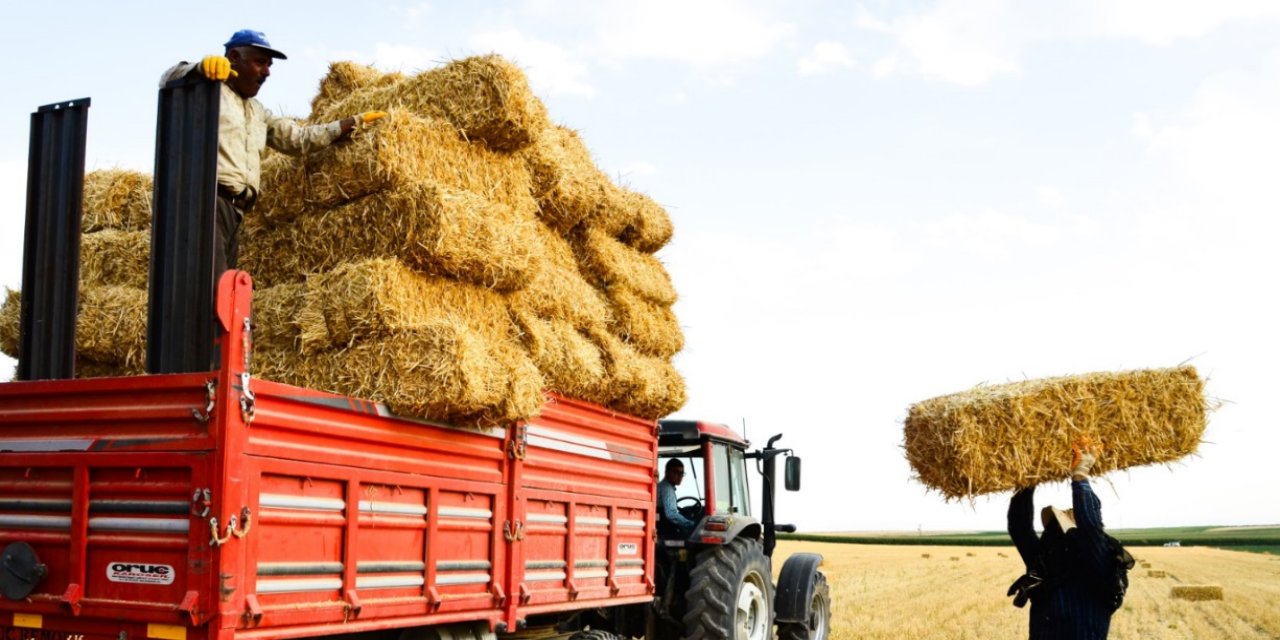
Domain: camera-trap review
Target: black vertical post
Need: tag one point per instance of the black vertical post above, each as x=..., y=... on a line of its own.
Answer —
x=51, y=245
x=180, y=315
x=767, y=518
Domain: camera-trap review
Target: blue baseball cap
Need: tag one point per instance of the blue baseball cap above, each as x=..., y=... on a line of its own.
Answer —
x=251, y=38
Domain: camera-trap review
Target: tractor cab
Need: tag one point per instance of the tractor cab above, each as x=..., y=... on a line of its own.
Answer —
x=715, y=493
x=715, y=579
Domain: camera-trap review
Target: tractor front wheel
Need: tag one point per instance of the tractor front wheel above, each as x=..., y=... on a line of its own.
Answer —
x=818, y=624
x=730, y=594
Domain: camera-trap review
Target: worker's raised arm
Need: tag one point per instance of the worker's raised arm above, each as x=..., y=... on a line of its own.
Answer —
x=215, y=67
x=1021, y=528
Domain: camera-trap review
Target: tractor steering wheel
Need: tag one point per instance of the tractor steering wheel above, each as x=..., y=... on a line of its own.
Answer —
x=693, y=510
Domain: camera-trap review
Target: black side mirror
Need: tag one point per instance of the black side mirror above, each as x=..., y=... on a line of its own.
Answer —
x=792, y=473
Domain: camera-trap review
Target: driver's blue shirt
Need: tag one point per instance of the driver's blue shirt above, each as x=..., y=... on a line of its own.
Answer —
x=667, y=506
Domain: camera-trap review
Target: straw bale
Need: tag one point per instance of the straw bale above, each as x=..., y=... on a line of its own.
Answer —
x=376, y=297
x=111, y=328
x=558, y=290
x=650, y=328
x=11, y=323
x=116, y=199
x=1156, y=573
x=442, y=371
x=401, y=150
x=277, y=317
x=1196, y=592
x=569, y=361
x=1004, y=437
x=569, y=186
x=607, y=262
x=641, y=385
x=345, y=77
x=649, y=226
x=486, y=97
x=430, y=228
x=112, y=257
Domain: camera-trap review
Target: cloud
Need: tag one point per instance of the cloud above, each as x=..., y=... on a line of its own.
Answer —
x=990, y=233
x=705, y=34
x=825, y=58
x=552, y=69
x=971, y=43
x=1227, y=142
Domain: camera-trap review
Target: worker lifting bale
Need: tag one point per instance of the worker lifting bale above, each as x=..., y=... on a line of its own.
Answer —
x=1139, y=417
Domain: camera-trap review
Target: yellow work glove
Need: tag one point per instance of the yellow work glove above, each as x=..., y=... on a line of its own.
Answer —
x=217, y=68
x=369, y=117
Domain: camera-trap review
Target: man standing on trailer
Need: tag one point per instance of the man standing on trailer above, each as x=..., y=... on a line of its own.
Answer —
x=246, y=129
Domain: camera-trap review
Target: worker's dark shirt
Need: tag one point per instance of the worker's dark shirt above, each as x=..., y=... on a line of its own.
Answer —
x=1068, y=606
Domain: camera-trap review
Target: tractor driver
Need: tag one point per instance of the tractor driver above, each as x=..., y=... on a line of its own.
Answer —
x=246, y=128
x=671, y=522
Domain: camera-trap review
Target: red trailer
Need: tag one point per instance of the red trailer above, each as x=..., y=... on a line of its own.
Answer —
x=214, y=505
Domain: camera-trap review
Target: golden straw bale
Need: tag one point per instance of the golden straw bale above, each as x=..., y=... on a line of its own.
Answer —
x=1196, y=592
x=111, y=326
x=111, y=330
x=569, y=186
x=116, y=199
x=441, y=371
x=608, y=262
x=641, y=385
x=558, y=290
x=650, y=328
x=401, y=150
x=112, y=257
x=376, y=297
x=430, y=228
x=486, y=97
x=1138, y=417
x=571, y=363
x=11, y=323
x=1156, y=573
x=650, y=227
x=345, y=77
x=277, y=317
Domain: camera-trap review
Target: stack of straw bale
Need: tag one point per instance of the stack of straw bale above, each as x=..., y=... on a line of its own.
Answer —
x=1000, y=438
x=114, y=262
x=461, y=256
x=454, y=261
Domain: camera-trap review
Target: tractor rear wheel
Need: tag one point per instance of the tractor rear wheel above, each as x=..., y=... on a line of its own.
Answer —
x=818, y=625
x=730, y=594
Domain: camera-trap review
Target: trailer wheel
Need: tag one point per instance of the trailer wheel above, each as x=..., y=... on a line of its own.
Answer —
x=818, y=624
x=730, y=594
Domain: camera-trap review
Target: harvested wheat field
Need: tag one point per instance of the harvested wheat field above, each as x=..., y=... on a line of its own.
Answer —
x=895, y=592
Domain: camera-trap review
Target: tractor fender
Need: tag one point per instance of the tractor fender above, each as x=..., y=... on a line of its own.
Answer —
x=795, y=587
x=743, y=528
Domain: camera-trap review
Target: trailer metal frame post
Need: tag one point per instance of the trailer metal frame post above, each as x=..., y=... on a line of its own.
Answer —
x=51, y=250
x=180, y=313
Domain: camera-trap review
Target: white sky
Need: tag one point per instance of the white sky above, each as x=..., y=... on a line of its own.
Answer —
x=874, y=203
